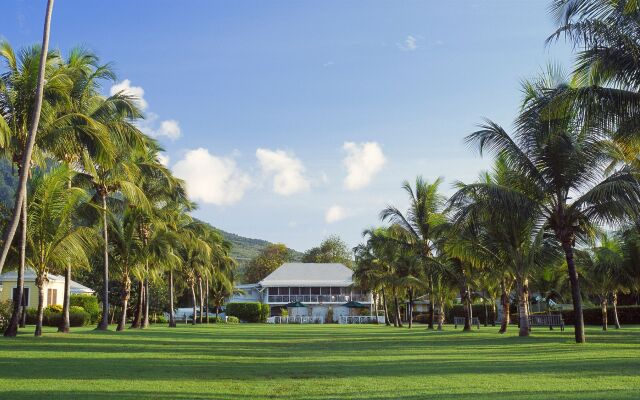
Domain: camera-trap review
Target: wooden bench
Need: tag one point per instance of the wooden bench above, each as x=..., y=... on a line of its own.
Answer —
x=549, y=320
x=460, y=321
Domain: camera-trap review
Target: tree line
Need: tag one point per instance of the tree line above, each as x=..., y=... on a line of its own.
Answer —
x=559, y=212
x=92, y=192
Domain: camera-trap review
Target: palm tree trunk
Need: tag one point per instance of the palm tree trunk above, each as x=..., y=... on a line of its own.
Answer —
x=486, y=314
x=494, y=311
x=523, y=311
x=375, y=303
x=40, y=313
x=201, y=295
x=615, y=309
x=195, y=304
x=504, y=297
x=603, y=308
x=575, y=292
x=385, y=308
x=398, y=320
x=172, y=316
x=432, y=303
x=464, y=296
x=104, y=323
x=138, y=314
x=410, y=313
x=21, y=194
x=12, y=328
x=206, y=301
x=126, y=294
x=145, y=309
x=440, y=317
x=65, y=324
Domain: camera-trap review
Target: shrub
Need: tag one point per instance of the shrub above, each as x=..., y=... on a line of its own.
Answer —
x=160, y=319
x=88, y=303
x=78, y=316
x=265, y=312
x=232, y=320
x=593, y=315
x=54, y=308
x=6, y=308
x=217, y=320
x=246, y=312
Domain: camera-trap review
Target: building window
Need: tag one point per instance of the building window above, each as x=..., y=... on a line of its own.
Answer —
x=52, y=296
x=315, y=290
x=25, y=296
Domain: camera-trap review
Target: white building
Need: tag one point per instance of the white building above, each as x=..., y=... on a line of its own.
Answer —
x=319, y=286
x=53, y=288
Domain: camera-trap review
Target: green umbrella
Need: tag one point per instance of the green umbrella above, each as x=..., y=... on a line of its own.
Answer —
x=294, y=304
x=354, y=304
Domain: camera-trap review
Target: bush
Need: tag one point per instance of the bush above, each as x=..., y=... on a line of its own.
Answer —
x=54, y=308
x=265, y=312
x=160, y=319
x=6, y=308
x=77, y=317
x=232, y=320
x=88, y=303
x=593, y=315
x=245, y=312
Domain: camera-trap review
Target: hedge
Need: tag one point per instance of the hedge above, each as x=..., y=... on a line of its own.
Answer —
x=89, y=303
x=77, y=317
x=265, y=312
x=245, y=312
x=593, y=315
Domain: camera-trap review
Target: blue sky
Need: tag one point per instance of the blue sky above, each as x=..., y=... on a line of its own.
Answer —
x=295, y=120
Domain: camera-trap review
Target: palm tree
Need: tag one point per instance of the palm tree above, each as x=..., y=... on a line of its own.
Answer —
x=17, y=91
x=604, y=273
x=20, y=204
x=503, y=226
x=51, y=241
x=115, y=174
x=126, y=252
x=562, y=162
x=421, y=221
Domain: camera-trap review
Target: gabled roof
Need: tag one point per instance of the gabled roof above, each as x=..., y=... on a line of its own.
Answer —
x=30, y=276
x=309, y=274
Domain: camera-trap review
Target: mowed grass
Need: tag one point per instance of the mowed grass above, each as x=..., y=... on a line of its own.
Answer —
x=319, y=362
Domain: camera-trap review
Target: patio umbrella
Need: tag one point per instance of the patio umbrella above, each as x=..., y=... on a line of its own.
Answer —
x=294, y=304
x=354, y=304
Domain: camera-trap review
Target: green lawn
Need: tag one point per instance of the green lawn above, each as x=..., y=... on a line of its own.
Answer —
x=319, y=362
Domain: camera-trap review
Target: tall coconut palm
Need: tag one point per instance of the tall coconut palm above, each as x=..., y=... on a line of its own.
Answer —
x=18, y=94
x=507, y=229
x=126, y=253
x=114, y=176
x=19, y=203
x=604, y=273
x=51, y=241
x=421, y=221
x=563, y=162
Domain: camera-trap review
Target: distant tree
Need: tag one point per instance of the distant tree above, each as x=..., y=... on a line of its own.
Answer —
x=331, y=250
x=269, y=259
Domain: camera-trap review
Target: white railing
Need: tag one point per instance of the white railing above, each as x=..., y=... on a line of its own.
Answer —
x=320, y=298
x=295, y=320
x=361, y=319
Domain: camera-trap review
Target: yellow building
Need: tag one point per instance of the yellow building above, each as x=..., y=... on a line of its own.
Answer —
x=53, y=289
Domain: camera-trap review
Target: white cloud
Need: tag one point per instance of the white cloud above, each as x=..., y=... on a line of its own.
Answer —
x=329, y=64
x=169, y=128
x=287, y=171
x=135, y=91
x=151, y=125
x=211, y=179
x=335, y=213
x=410, y=43
x=363, y=161
x=163, y=159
